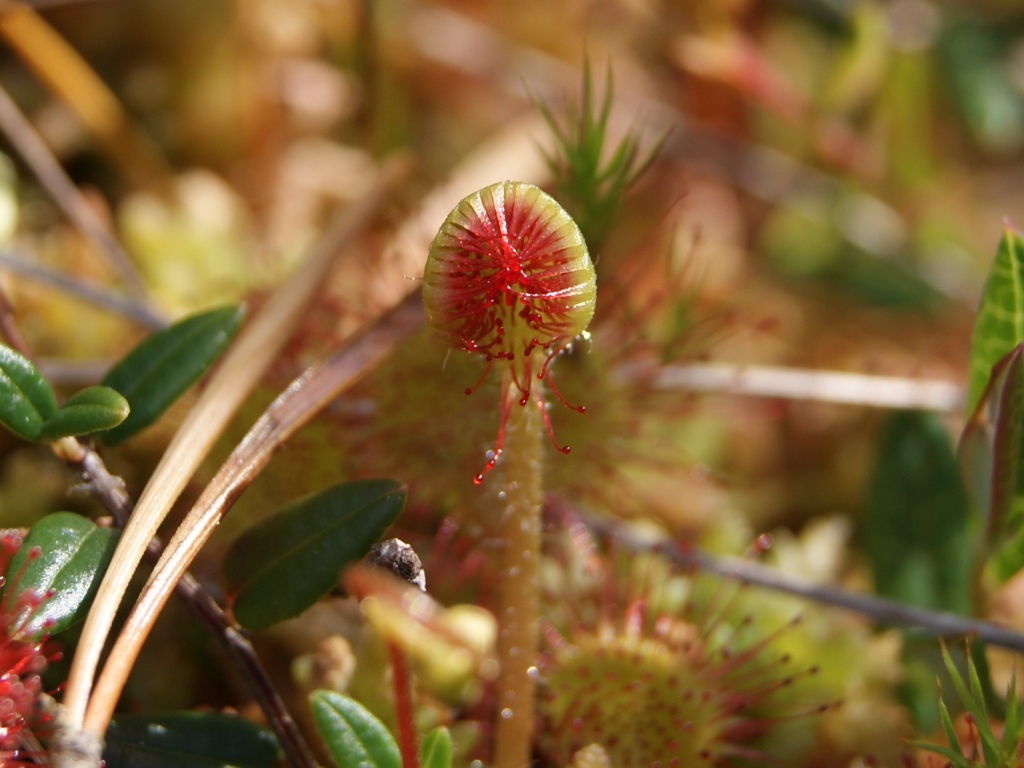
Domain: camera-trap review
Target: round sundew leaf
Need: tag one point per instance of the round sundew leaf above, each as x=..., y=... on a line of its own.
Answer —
x=63, y=554
x=286, y=562
x=354, y=737
x=164, y=365
x=26, y=399
x=90, y=410
x=508, y=272
x=200, y=739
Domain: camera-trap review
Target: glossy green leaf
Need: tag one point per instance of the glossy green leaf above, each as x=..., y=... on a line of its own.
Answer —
x=286, y=562
x=90, y=410
x=66, y=555
x=999, y=326
x=26, y=399
x=203, y=740
x=354, y=737
x=436, y=749
x=161, y=368
x=916, y=521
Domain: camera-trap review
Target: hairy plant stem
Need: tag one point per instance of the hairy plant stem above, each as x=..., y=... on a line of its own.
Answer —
x=517, y=488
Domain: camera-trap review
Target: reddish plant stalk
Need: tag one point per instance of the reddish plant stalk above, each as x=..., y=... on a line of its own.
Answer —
x=402, y=687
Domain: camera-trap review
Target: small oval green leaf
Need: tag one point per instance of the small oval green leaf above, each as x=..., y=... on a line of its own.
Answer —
x=90, y=410
x=26, y=399
x=203, y=740
x=159, y=370
x=436, y=749
x=354, y=737
x=286, y=562
x=999, y=326
x=64, y=554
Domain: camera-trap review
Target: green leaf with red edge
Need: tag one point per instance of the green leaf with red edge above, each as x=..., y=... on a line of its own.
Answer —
x=999, y=326
x=354, y=737
x=990, y=457
x=195, y=739
x=26, y=399
x=63, y=554
x=164, y=365
x=89, y=410
x=286, y=562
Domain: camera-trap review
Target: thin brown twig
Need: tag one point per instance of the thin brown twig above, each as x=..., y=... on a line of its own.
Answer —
x=938, y=623
x=85, y=291
x=67, y=196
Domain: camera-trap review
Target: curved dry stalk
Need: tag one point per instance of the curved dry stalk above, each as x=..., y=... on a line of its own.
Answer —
x=239, y=371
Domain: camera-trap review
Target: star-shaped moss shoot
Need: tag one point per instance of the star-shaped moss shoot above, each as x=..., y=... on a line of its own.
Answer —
x=508, y=277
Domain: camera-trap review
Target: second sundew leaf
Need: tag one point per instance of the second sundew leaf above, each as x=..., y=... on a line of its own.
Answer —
x=26, y=398
x=63, y=555
x=286, y=562
x=916, y=517
x=163, y=366
x=354, y=737
x=999, y=326
x=89, y=410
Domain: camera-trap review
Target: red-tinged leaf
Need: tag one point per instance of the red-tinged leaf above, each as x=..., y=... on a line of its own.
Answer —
x=999, y=326
x=989, y=453
x=66, y=555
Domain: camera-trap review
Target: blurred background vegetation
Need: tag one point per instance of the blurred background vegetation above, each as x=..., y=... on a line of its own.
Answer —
x=834, y=180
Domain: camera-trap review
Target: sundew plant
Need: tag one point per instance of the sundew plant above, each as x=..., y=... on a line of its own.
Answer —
x=548, y=385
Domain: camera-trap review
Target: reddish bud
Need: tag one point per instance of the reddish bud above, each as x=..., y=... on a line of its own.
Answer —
x=508, y=276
